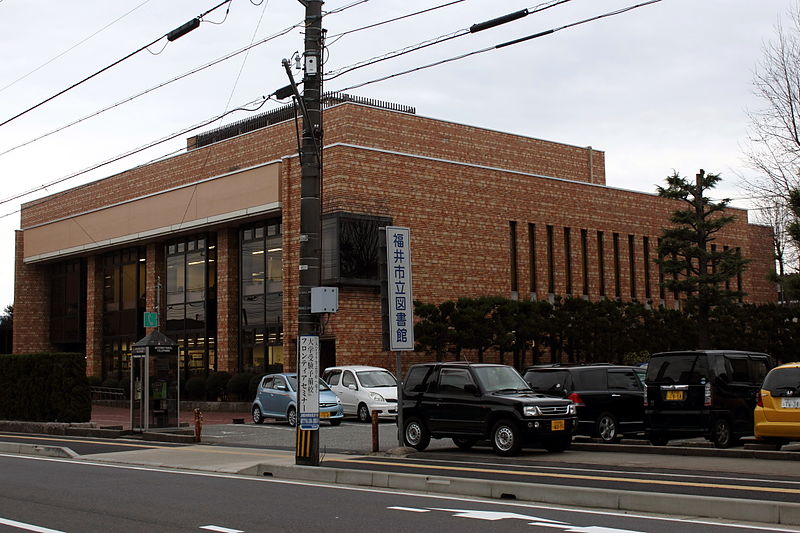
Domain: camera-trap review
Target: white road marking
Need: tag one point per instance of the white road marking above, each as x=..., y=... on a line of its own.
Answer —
x=28, y=527
x=221, y=529
x=495, y=515
x=410, y=509
x=459, y=499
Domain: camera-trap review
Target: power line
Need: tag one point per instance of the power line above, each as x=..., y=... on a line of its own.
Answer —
x=171, y=36
x=73, y=46
x=501, y=45
x=338, y=36
x=172, y=80
x=155, y=87
x=261, y=101
x=442, y=38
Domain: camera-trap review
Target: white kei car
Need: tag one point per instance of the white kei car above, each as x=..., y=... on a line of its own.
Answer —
x=363, y=389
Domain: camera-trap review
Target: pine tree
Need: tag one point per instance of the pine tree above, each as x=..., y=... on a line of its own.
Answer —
x=691, y=266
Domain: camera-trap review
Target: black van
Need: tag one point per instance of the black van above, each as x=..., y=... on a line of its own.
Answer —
x=608, y=397
x=709, y=393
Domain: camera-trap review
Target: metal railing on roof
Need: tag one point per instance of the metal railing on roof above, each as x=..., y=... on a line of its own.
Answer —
x=284, y=113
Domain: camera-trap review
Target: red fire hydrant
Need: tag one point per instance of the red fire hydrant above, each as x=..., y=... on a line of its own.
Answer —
x=198, y=424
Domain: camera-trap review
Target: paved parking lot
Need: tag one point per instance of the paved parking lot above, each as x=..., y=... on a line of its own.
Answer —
x=350, y=437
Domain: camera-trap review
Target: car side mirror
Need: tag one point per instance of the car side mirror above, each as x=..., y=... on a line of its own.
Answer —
x=470, y=388
x=352, y=387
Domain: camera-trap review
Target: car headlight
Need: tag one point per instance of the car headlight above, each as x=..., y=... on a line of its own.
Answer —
x=572, y=409
x=531, y=410
x=376, y=397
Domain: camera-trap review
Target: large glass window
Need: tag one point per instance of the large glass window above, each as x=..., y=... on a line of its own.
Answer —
x=68, y=304
x=191, y=316
x=261, y=296
x=350, y=249
x=123, y=307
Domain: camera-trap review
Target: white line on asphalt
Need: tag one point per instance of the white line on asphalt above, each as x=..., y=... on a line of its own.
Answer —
x=410, y=509
x=27, y=527
x=532, y=505
x=221, y=529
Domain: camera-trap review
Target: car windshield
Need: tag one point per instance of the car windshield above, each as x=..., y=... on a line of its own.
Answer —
x=376, y=378
x=500, y=379
x=293, y=383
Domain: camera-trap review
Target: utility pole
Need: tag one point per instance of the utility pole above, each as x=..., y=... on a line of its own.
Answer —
x=307, y=449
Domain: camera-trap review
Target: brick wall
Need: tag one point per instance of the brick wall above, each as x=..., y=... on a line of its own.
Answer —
x=94, y=315
x=227, y=299
x=31, y=305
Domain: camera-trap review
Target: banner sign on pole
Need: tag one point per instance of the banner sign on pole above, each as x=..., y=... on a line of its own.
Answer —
x=308, y=382
x=401, y=302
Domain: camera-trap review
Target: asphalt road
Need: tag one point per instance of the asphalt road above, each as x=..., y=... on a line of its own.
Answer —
x=52, y=496
x=83, y=445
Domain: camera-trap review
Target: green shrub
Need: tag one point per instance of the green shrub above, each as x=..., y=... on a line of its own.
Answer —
x=196, y=388
x=238, y=387
x=94, y=381
x=47, y=387
x=215, y=385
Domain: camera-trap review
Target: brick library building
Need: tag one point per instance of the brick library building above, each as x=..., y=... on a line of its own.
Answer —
x=211, y=237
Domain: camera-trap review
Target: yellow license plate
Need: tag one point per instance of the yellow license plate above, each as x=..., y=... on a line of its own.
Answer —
x=675, y=395
x=557, y=425
x=324, y=414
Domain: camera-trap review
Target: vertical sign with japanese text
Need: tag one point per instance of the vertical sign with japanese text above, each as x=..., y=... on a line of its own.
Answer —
x=401, y=303
x=308, y=382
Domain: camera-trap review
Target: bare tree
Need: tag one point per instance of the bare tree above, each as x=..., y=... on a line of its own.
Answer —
x=774, y=147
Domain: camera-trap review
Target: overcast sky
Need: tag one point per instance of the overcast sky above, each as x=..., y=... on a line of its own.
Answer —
x=658, y=88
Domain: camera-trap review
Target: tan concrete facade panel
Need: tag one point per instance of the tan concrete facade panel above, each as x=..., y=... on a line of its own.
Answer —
x=156, y=214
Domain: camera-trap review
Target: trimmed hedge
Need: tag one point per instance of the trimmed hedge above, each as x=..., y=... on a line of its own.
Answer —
x=47, y=387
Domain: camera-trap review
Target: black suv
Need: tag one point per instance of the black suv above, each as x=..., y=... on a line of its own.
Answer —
x=709, y=393
x=609, y=398
x=472, y=402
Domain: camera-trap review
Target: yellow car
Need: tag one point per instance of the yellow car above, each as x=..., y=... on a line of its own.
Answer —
x=777, y=414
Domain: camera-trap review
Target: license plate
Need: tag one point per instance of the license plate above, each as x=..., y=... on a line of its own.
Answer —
x=675, y=395
x=557, y=425
x=324, y=414
x=790, y=403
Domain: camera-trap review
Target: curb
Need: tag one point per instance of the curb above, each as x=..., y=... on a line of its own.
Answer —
x=35, y=449
x=737, y=509
x=688, y=451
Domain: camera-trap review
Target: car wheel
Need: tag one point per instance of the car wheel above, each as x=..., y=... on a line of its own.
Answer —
x=291, y=416
x=464, y=444
x=557, y=444
x=416, y=434
x=363, y=413
x=506, y=438
x=257, y=416
x=606, y=428
x=658, y=439
x=335, y=421
x=721, y=434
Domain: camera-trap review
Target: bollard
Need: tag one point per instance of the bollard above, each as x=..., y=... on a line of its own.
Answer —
x=198, y=424
x=375, y=446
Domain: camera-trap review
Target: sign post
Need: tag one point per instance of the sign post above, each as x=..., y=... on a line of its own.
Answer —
x=401, y=306
x=308, y=383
